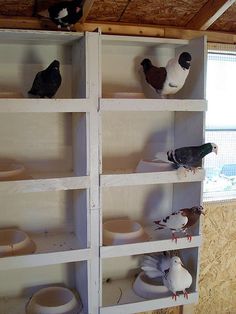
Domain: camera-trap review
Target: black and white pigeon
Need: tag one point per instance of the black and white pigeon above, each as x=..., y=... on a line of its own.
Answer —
x=47, y=82
x=170, y=79
x=66, y=13
x=180, y=221
x=189, y=157
x=177, y=278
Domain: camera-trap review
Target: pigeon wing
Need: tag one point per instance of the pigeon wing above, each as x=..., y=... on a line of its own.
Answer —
x=175, y=221
x=190, y=156
x=37, y=85
x=156, y=77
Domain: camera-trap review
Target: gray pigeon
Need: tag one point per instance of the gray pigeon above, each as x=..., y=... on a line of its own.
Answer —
x=189, y=157
x=47, y=82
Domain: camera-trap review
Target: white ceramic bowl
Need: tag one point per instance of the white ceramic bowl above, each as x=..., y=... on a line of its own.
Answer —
x=10, y=169
x=127, y=95
x=53, y=300
x=149, y=288
x=15, y=242
x=123, y=231
x=11, y=95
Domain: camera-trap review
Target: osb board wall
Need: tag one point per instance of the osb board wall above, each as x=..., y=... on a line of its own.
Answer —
x=217, y=284
x=159, y=12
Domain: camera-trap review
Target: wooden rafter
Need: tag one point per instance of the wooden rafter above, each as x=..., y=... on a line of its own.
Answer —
x=208, y=14
x=87, y=5
x=121, y=29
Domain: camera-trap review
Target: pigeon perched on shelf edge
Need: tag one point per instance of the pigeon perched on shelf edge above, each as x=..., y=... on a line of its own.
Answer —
x=170, y=268
x=64, y=13
x=177, y=278
x=180, y=221
x=189, y=157
x=170, y=79
x=47, y=82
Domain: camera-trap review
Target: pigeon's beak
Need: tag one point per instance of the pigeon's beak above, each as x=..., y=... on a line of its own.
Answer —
x=203, y=213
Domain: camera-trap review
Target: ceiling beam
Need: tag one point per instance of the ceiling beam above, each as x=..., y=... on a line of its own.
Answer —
x=87, y=5
x=118, y=29
x=208, y=14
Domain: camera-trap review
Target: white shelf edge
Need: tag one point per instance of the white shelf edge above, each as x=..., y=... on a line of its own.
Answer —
x=148, y=247
x=15, y=105
x=109, y=180
x=149, y=305
x=143, y=40
x=111, y=104
x=43, y=259
x=40, y=185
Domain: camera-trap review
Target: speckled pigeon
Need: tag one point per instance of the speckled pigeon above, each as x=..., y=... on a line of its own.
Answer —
x=170, y=79
x=47, y=82
x=180, y=221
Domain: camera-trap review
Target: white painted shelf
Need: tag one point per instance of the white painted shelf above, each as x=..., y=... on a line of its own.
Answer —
x=148, y=247
x=81, y=150
x=109, y=180
x=45, y=105
x=45, y=184
x=152, y=104
x=50, y=249
x=119, y=297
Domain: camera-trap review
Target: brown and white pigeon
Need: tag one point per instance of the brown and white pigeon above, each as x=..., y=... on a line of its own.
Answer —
x=170, y=79
x=180, y=221
x=66, y=13
x=177, y=278
x=47, y=82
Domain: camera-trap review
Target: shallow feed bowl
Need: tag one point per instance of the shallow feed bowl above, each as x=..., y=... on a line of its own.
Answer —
x=11, y=95
x=123, y=231
x=53, y=300
x=149, y=288
x=125, y=95
x=15, y=242
x=10, y=169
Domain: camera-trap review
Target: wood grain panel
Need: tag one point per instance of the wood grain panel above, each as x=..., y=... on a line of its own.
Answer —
x=226, y=22
x=217, y=270
x=107, y=10
x=174, y=12
x=17, y=8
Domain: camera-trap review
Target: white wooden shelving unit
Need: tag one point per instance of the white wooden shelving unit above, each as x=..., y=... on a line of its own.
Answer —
x=135, y=129
x=56, y=140
x=81, y=151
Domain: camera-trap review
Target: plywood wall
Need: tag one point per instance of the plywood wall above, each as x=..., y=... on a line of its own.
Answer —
x=218, y=259
x=171, y=310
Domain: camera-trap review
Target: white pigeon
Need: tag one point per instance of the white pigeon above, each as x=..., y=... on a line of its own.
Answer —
x=177, y=70
x=177, y=278
x=156, y=265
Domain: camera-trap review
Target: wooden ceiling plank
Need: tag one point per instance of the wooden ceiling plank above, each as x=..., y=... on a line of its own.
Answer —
x=119, y=29
x=87, y=5
x=208, y=14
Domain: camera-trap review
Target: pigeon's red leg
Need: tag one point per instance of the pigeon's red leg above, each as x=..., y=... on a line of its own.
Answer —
x=174, y=296
x=189, y=237
x=185, y=294
x=174, y=238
